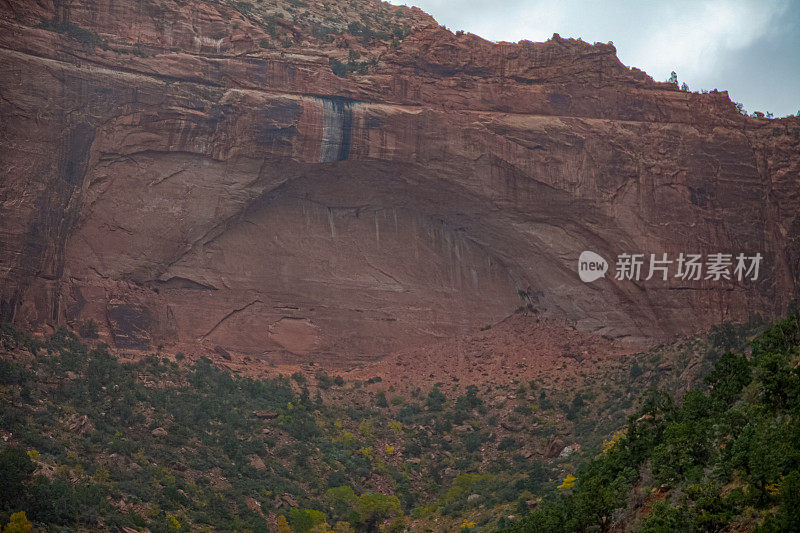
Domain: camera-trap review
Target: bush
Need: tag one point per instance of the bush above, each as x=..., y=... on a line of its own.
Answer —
x=380, y=399
x=408, y=412
x=338, y=68
x=474, y=440
x=436, y=399
x=508, y=443
x=367, y=429
x=324, y=381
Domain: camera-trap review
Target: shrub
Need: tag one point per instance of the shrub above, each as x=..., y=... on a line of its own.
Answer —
x=474, y=440
x=436, y=399
x=324, y=381
x=367, y=429
x=508, y=443
x=338, y=68
x=408, y=412
x=380, y=399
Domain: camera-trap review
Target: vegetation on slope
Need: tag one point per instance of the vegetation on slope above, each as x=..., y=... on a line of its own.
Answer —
x=163, y=443
x=724, y=458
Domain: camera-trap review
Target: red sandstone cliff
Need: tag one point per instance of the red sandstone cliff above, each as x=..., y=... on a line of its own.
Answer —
x=196, y=173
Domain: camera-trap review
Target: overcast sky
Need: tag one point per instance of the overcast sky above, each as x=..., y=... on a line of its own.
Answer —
x=751, y=48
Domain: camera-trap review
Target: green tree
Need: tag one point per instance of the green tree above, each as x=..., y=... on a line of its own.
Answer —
x=665, y=518
x=300, y=520
x=15, y=471
x=764, y=450
x=341, y=500
x=375, y=508
x=730, y=375
x=788, y=516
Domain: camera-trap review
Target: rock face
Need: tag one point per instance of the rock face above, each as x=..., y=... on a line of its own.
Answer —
x=212, y=175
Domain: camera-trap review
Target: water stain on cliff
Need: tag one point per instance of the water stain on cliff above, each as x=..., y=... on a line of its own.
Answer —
x=44, y=241
x=337, y=129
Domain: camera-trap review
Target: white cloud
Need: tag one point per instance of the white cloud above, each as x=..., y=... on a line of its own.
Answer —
x=691, y=38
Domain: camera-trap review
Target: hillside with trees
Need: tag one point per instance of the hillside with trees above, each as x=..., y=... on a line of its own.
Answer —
x=167, y=444
x=725, y=457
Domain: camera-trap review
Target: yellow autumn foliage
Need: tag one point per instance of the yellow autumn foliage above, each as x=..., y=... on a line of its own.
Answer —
x=283, y=525
x=609, y=444
x=568, y=483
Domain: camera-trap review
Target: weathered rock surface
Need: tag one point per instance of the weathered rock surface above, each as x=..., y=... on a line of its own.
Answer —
x=193, y=175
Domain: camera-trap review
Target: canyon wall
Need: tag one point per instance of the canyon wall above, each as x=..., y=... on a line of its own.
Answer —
x=195, y=175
